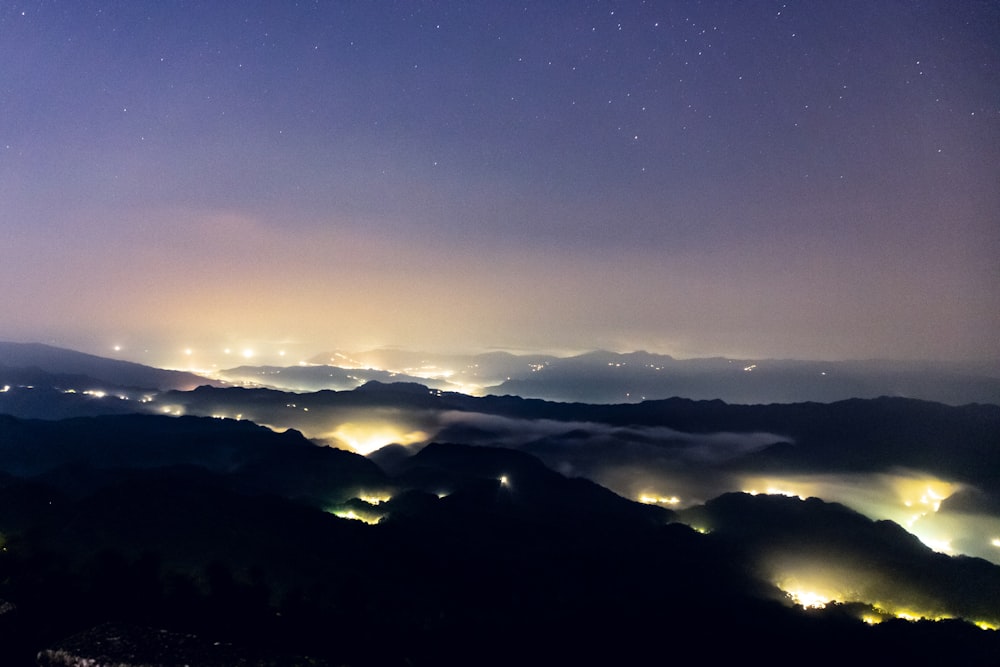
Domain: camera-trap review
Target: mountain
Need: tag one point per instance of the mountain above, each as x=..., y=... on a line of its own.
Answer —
x=605, y=377
x=848, y=436
x=519, y=485
x=504, y=530
x=474, y=369
x=836, y=553
x=318, y=378
x=252, y=456
x=611, y=377
x=104, y=373
x=534, y=568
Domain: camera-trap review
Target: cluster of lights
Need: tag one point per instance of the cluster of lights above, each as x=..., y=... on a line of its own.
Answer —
x=929, y=501
x=649, y=499
x=372, y=499
x=808, y=599
x=774, y=491
x=96, y=393
x=354, y=516
x=375, y=498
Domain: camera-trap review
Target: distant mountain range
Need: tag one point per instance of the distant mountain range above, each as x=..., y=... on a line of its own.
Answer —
x=595, y=377
x=611, y=377
x=21, y=360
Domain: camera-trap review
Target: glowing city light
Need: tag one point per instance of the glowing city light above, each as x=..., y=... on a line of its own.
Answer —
x=774, y=491
x=924, y=493
x=351, y=515
x=366, y=437
x=941, y=546
x=808, y=599
x=375, y=499
x=650, y=499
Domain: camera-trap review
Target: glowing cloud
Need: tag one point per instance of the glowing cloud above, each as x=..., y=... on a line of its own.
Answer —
x=366, y=437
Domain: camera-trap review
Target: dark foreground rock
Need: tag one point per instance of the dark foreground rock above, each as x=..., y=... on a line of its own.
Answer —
x=117, y=645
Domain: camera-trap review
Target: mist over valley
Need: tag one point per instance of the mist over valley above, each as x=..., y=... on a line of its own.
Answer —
x=845, y=516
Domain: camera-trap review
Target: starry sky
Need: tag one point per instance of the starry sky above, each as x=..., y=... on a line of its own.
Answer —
x=752, y=179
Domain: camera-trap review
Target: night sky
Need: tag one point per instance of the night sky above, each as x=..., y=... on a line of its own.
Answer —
x=754, y=179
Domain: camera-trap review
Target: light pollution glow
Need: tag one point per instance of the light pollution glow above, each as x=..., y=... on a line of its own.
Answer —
x=366, y=437
x=908, y=498
x=912, y=499
x=812, y=599
x=814, y=583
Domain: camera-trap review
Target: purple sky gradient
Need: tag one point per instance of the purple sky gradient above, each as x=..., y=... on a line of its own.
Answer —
x=800, y=179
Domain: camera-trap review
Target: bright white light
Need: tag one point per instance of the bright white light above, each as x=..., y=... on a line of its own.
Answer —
x=504, y=481
x=941, y=546
x=247, y=353
x=117, y=348
x=808, y=599
x=365, y=437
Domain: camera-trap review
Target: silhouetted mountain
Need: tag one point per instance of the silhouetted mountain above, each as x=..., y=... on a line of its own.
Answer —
x=477, y=369
x=111, y=372
x=42, y=401
x=391, y=457
x=516, y=484
x=490, y=535
x=606, y=377
x=286, y=463
x=318, y=378
x=872, y=435
x=212, y=527
x=825, y=546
